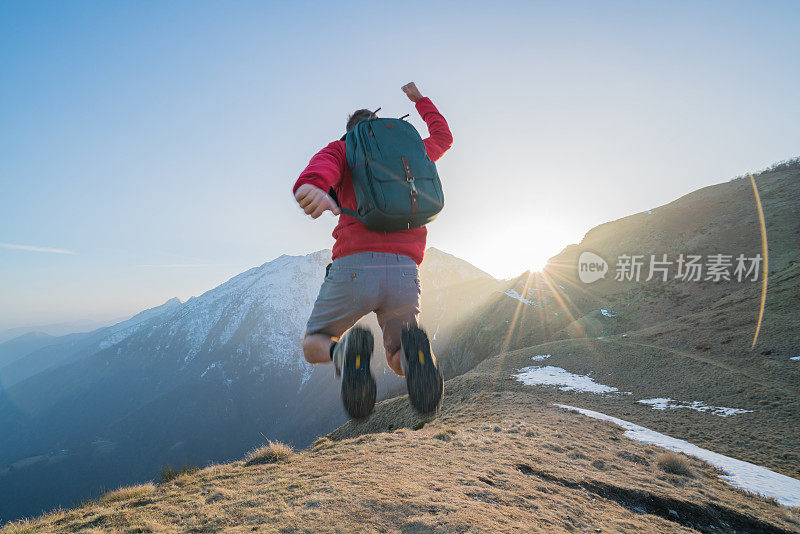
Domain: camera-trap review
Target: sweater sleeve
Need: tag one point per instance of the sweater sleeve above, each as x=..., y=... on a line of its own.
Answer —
x=326, y=168
x=440, y=139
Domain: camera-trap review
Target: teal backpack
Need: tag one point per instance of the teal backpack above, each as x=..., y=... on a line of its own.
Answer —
x=395, y=182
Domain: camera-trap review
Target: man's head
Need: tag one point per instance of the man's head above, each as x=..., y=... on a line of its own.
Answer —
x=358, y=116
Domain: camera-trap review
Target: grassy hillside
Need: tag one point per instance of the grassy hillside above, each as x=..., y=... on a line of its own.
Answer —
x=688, y=340
x=500, y=457
x=719, y=219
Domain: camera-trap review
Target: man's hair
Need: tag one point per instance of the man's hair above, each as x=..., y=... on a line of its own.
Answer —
x=356, y=117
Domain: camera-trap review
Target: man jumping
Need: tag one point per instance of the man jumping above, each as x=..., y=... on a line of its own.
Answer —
x=371, y=272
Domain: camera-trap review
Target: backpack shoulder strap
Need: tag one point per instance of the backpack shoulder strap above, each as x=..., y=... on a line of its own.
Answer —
x=334, y=196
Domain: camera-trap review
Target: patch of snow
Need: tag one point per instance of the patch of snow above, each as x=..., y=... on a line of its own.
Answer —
x=305, y=378
x=116, y=337
x=749, y=477
x=608, y=313
x=670, y=404
x=210, y=367
x=514, y=295
x=540, y=357
x=556, y=376
x=306, y=375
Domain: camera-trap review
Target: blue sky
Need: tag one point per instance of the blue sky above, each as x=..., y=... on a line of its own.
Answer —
x=154, y=144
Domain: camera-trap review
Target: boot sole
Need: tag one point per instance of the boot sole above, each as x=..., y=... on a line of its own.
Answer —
x=424, y=379
x=358, y=384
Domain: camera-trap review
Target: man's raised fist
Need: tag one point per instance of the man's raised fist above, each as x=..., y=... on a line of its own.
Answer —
x=410, y=89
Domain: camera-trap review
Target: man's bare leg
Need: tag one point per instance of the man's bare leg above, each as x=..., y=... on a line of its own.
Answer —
x=395, y=362
x=317, y=348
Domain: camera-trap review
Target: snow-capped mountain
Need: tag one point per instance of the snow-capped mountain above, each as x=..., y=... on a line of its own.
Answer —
x=260, y=314
x=257, y=317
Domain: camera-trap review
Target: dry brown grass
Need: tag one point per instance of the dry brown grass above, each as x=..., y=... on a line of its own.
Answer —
x=527, y=476
x=792, y=515
x=446, y=434
x=322, y=443
x=169, y=474
x=127, y=493
x=272, y=452
x=675, y=464
x=499, y=458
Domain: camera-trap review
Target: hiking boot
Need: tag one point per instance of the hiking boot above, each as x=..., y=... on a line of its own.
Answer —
x=423, y=378
x=351, y=357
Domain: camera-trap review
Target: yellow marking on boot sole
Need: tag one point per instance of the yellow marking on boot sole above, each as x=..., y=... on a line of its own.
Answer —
x=421, y=358
x=358, y=361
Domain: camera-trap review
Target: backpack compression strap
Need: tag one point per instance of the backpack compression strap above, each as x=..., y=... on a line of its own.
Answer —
x=332, y=194
x=350, y=213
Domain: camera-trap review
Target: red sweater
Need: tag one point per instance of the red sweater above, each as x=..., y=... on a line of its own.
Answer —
x=328, y=168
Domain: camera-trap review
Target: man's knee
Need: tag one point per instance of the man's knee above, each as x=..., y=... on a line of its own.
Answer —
x=308, y=348
x=316, y=348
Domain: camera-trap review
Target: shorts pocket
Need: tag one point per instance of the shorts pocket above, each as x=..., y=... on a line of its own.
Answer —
x=338, y=292
x=341, y=275
x=411, y=279
x=333, y=276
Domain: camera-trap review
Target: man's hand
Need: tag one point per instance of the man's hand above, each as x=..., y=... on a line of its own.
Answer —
x=410, y=89
x=315, y=201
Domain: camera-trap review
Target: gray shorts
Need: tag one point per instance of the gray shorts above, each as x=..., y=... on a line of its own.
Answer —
x=381, y=282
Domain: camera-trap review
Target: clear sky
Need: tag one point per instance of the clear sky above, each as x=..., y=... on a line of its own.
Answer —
x=147, y=149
